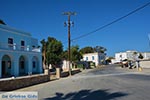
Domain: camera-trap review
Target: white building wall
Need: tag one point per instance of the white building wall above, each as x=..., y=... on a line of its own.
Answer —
x=16, y=51
x=145, y=64
x=131, y=56
x=97, y=58
x=120, y=56
x=113, y=61
x=146, y=55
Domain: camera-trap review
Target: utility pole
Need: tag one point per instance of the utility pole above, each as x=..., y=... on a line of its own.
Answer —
x=69, y=24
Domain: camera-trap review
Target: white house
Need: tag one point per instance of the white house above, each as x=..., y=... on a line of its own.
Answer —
x=146, y=55
x=130, y=55
x=19, y=53
x=125, y=55
x=97, y=58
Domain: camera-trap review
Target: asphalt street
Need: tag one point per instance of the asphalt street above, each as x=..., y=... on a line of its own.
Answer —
x=108, y=83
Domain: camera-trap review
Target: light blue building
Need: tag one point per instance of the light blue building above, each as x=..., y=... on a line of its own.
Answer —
x=19, y=53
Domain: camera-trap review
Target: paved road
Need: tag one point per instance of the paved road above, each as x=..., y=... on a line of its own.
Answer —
x=108, y=83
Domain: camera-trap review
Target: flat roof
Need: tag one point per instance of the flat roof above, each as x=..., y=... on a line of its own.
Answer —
x=13, y=30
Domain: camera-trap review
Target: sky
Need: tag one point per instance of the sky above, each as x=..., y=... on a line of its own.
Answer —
x=43, y=18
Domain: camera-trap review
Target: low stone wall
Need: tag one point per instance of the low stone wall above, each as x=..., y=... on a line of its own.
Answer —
x=145, y=64
x=52, y=76
x=66, y=73
x=76, y=71
x=20, y=82
x=16, y=83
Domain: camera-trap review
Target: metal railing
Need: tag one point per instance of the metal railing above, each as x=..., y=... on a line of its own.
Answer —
x=14, y=46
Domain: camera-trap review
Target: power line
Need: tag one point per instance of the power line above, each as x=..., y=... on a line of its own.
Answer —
x=114, y=21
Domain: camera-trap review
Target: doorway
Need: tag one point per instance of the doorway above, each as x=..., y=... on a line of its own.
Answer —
x=3, y=68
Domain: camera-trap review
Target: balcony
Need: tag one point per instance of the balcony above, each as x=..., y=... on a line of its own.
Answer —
x=15, y=47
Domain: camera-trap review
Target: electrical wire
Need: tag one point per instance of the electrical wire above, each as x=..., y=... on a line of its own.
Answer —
x=114, y=21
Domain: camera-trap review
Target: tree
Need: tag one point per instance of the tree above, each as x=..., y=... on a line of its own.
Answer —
x=140, y=56
x=64, y=55
x=100, y=49
x=87, y=49
x=75, y=54
x=53, y=50
x=135, y=53
x=43, y=42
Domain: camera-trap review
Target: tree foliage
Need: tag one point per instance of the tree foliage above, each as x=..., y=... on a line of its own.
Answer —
x=65, y=55
x=140, y=56
x=53, y=49
x=100, y=49
x=75, y=54
x=135, y=53
x=87, y=49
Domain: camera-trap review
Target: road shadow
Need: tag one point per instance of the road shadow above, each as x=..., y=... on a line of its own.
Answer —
x=87, y=95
